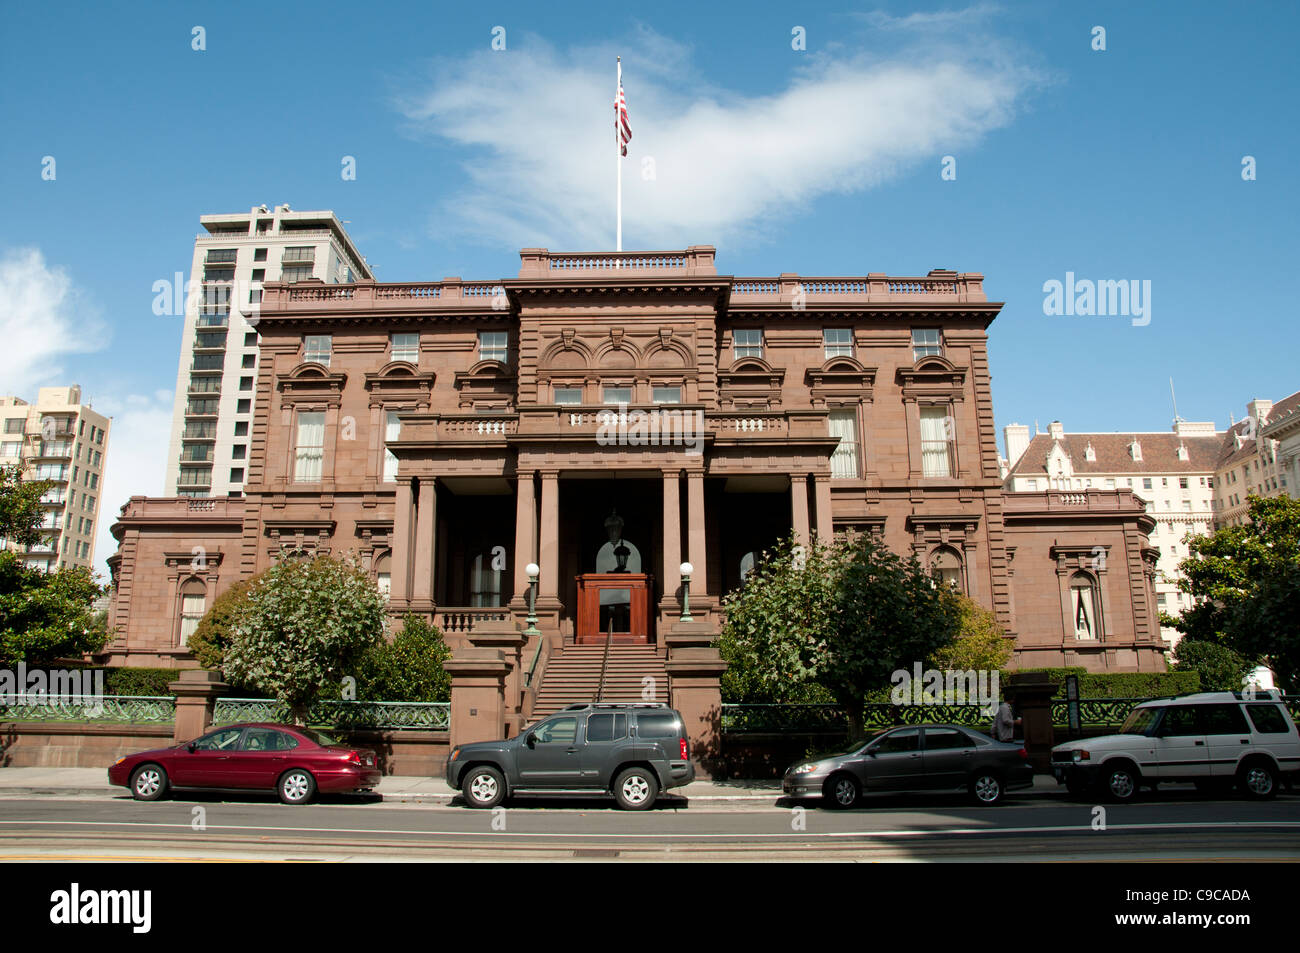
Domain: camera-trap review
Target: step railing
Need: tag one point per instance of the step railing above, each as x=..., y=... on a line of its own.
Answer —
x=604, y=661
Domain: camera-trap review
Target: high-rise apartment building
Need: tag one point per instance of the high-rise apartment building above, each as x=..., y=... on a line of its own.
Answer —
x=233, y=256
x=61, y=440
x=1249, y=462
x=1173, y=473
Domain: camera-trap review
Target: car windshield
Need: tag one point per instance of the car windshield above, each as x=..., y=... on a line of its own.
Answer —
x=322, y=739
x=1139, y=721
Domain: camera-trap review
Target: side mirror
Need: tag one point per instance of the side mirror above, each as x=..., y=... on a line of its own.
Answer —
x=531, y=740
x=870, y=752
x=190, y=747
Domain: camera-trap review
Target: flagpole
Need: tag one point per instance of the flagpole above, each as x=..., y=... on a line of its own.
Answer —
x=618, y=160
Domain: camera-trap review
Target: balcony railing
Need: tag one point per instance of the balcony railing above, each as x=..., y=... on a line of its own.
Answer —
x=465, y=618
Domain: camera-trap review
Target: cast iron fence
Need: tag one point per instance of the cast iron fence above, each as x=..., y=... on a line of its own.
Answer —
x=110, y=709
x=426, y=716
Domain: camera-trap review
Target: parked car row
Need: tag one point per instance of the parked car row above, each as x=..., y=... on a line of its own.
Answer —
x=634, y=752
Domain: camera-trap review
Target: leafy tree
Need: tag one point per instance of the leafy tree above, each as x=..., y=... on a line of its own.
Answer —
x=841, y=615
x=1220, y=668
x=981, y=644
x=306, y=623
x=210, y=639
x=1245, y=585
x=409, y=668
x=44, y=616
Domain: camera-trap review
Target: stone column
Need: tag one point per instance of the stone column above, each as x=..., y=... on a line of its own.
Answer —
x=549, y=537
x=694, y=667
x=697, y=535
x=426, y=541
x=477, y=695
x=403, y=531
x=196, y=693
x=509, y=641
x=525, y=534
x=822, y=512
x=672, y=543
x=799, y=507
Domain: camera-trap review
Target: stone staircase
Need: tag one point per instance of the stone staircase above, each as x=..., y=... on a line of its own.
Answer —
x=573, y=675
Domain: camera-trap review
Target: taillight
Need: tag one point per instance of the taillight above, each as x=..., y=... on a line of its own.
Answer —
x=682, y=742
x=354, y=757
x=1024, y=754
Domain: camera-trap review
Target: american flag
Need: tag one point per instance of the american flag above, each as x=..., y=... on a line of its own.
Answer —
x=620, y=119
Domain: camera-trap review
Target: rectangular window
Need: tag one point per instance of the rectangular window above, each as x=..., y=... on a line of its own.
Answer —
x=254, y=295
x=568, y=395
x=291, y=273
x=748, y=342
x=666, y=395
x=844, y=458
x=241, y=428
x=492, y=346
x=250, y=360
x=239, y=451
x=406, y=347
x=1110, y=484
x=617, y=395
x=245, y=383
x=202, y=405
x=10, y=448
x=310, y=452
x=299, y=253
x=192, y=608
x=1031, y=484
x=14, y=425
x=926, y=343
x=392, y=431
x=316, y=348
x=838, y=342
x=259, y=274
x=250, y=339
x=1146, y=483
x=243, y=406
x=259, y=254
x=237, y=475
x=936, y=442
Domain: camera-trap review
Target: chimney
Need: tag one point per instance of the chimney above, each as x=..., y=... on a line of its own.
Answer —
x=1016, y=437
x=1258, y=410
x=1056, y=430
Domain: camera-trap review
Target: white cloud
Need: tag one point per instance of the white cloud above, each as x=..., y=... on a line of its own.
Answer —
x=538, y=129
x=43, y=317
x=136, y=461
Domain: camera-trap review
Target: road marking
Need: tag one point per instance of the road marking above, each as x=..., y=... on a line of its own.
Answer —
x=785, y=835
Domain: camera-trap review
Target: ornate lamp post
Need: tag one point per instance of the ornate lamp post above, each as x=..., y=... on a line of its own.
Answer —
x=686, y=569
x=533, y=571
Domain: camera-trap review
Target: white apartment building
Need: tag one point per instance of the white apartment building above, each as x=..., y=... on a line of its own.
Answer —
x=1251, y=461
x=1284, y=427
x=1173, y=472
x=215, y=381
x=62, y=440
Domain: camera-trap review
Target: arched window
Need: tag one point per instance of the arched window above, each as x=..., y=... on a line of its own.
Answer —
x=746, y=566
x=384, y=575
x=946, y=564
x=194, y=600
x=1085, y=606
x=484, y=581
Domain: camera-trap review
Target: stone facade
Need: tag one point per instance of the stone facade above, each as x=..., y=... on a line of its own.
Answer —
x=536, y=410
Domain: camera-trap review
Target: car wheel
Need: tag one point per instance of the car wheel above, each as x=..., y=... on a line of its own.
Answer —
x=986, y=787
x=297, y=786
x=483, y=787
x=148, y=782
x=636, y=789
x=1258, y=780
x=1120, y=782
x=842, y=791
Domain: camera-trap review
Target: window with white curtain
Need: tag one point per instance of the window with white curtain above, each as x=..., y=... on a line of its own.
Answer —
x=317, y=348
x=310, y=455
x=936, y=442
x=844, y=458
x=837, y=342
x=392, y=430
x=1083, y=606
x=406, y=347
x=485, y=582
x=193, y=605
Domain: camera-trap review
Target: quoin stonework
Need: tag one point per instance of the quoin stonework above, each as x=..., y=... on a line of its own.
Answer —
x=828, y=404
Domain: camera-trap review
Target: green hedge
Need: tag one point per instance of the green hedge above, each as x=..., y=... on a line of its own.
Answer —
x=1120, y=684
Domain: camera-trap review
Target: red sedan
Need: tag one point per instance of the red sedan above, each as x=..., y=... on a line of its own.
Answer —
x=294, y=762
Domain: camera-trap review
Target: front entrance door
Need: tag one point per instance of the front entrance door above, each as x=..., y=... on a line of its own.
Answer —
x=617, y=602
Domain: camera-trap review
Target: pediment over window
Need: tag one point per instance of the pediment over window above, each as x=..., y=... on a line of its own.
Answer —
x=400, y=382
x=932, y=376
x=487, y=383
x=311, y=382
x=840, y=378
x=751, y=382
x=308, y=536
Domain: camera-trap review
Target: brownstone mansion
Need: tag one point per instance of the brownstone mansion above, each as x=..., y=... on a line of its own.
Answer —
x=611, y=417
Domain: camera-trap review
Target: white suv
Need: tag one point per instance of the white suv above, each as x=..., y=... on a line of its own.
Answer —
x=1214, y=740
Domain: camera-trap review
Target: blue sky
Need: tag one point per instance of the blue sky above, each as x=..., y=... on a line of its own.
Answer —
x=1117, y=164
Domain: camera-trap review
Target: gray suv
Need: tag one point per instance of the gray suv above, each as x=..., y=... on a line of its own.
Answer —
x=630, y=751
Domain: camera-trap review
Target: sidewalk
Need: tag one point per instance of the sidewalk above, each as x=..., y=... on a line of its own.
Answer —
x=83, y=782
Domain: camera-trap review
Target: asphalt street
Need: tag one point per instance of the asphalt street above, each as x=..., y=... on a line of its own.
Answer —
x=1170, y=825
